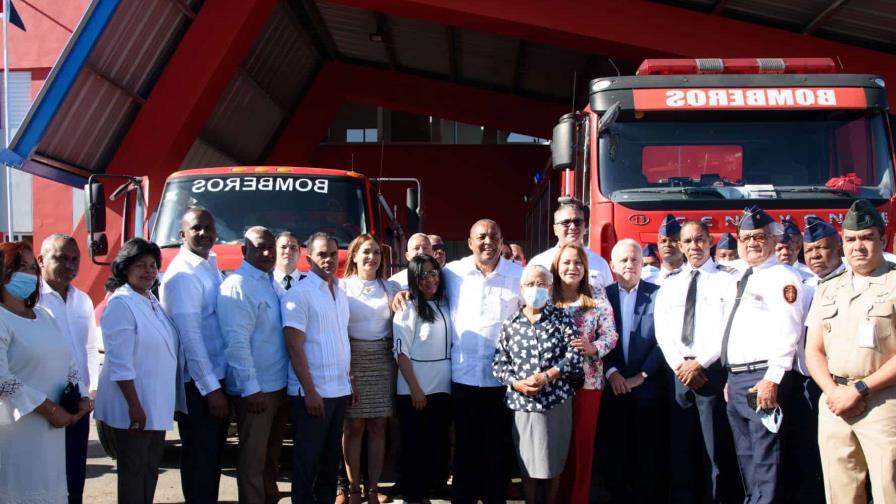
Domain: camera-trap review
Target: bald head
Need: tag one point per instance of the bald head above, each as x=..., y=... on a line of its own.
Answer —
x=418, y=244
x=485, y=242
x=259, y=248
x=59, y=261
x=198, y=232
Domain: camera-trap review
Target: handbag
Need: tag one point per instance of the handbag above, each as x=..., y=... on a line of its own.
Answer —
x=71, y=398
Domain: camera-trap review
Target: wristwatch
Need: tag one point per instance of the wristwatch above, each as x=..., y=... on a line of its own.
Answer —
x=644, y=374
x=862, y=388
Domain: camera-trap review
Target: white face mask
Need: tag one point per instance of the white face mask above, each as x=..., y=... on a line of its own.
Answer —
x=725, y=262
x=536, y=297
x=647, y=271
x=771, y=419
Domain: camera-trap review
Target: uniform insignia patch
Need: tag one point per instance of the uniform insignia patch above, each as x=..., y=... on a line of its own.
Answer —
x=790, y=293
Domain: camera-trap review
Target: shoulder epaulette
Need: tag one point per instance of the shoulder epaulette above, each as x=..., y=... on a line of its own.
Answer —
x=832, y=276
x=726, y=269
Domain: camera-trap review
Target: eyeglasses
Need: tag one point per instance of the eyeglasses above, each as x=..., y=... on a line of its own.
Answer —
x=569, y=222
x=428, y=274
x=757, y=237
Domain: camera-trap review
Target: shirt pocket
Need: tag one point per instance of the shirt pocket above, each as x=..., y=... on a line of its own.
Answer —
x=881, y=315
x=827, y=313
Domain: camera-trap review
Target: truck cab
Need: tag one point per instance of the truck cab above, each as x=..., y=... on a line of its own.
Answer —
x=702, y=139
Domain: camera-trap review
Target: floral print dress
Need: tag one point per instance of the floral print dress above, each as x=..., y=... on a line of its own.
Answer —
x=598, y=326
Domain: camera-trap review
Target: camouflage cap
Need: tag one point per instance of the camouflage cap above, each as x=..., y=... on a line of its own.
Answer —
x=863, y=215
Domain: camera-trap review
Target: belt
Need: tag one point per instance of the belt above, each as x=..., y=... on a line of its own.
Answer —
x=839, y=380
x=748, y=367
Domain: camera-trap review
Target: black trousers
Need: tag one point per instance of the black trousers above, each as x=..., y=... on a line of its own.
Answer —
x=483, y=446
x=631, y=437
x=702, y=466
x=203, y=437
x=317, y=450
x=759, y=451
x=802, y=462
x=76, y=458
x=422, y=433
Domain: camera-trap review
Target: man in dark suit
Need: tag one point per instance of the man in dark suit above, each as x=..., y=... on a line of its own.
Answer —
x=631, y=446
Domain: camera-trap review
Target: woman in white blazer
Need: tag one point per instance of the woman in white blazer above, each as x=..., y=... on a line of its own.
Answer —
x=139, y=386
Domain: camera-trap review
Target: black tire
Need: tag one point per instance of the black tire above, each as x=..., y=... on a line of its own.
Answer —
x=107, y=440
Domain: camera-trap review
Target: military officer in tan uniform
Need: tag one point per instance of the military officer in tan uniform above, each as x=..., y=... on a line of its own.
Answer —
x=850, y=349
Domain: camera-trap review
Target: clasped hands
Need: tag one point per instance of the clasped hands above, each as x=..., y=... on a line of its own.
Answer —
x=845, y=401
x=690, y=373
x=531, y=385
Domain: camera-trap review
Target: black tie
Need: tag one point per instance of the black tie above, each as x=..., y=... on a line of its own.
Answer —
x=690, y=309
x=741, y=286
x=287, y=280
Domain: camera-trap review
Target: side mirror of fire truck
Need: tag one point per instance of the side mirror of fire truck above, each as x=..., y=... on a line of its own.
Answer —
x=95, y=219
x=414, y=211
x=608, y=118
x=563, y=141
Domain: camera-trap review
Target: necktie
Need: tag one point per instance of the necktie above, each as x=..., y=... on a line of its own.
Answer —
x=690, y=309
x=741, y=286
x=287, y=282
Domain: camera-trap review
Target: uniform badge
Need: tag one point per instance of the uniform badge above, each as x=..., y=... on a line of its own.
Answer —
x=790, y=293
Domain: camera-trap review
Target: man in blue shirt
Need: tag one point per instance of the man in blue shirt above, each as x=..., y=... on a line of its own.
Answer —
x=249, y=316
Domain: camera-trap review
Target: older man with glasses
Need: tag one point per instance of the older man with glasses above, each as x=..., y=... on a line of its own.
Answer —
x=759, y=343
x=569, y=228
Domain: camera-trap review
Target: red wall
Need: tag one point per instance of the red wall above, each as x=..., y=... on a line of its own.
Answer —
x=461, y=183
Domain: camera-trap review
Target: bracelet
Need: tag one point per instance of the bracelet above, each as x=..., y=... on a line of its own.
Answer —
x=547, y=379
x=52, y=411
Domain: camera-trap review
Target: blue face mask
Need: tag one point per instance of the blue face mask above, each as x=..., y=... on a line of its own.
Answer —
x=21, y=285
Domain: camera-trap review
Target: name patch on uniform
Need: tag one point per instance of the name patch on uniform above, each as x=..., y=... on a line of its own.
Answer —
x=790, y=293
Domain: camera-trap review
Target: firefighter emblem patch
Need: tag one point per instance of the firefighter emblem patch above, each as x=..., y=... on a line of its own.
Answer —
x=790, y=293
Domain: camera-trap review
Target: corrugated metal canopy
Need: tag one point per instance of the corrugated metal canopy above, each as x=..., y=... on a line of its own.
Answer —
x=108, y=69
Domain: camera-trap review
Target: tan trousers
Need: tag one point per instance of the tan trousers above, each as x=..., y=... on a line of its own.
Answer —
x=261, y=438
x=854, y=448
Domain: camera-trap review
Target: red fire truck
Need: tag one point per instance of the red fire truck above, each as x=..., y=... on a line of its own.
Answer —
x=703, y=138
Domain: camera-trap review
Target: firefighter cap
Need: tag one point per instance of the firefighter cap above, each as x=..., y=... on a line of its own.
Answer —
x=726, y=242
x=754, y=218
x=863, y=215
x=650, y=249
x=816, y=229
x=670, y=226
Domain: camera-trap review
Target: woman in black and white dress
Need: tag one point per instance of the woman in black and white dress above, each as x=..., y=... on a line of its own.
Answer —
x=423, y=351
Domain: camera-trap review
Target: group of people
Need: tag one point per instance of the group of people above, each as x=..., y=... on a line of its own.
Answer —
x=749, y=378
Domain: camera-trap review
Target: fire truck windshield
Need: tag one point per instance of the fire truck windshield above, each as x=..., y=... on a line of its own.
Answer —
x=301, y=204
x=733, y=155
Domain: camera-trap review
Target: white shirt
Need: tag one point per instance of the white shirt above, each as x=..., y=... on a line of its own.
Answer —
x=400, y=279
x=189, y=294
x=479, y=305
x=141, y=345
x=598, y=270
x=280, y=284
x=710, y=315
x=766, y=326
x=811, y=284
x=627, y=301
x=75, y=317
x=665, y=274
x=370, y=314
x=249, y=315
x=427, y=345
x=814, y=280
x=322, y=315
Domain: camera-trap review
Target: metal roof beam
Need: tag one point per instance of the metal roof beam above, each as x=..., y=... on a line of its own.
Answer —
x=108, y=80
x=317, y=28
x=823, y=16
x=453, y=66
x=385, y=30
x=184, y=8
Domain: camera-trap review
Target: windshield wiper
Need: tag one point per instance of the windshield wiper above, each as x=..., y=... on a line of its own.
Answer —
x=816, y=189
x=687, y=191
